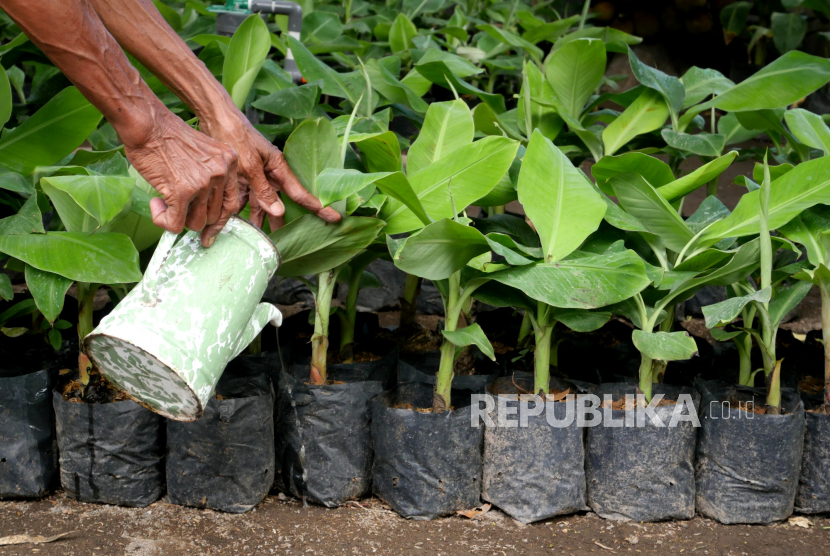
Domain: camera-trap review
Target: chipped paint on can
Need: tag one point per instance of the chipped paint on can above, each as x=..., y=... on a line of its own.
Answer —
x=169, y=340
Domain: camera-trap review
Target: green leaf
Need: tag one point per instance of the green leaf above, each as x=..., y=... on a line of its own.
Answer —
x=342, y=85
x=5, y=98
x=401, y=34
x=808, y=184
x=312, y=148
x=308, y=245
x=335, y=184
x=103, y=258
x=6, y=291
x=786, y=80
x=293, y=102
x=584, y=283
x=28, y=220
x=247, y=51
x=440, y=73
x=786, y=299
x=550, y=30
x=647, y=113
x=53, y=132
x=642, y=201
x=101, y=198
x=702, y=144
x=517, y=42
x=440, y=249
x=665, y=346
x=655, y=171
x=48, y=290
x=388, y=85
x=505, y=190
x=510, y=225
x=731, y=128
x=670, y=87
x=542, y=116
x=21, y=309
x=720, y=314
x=788, y=30
x=380, y=152
x=574, y=71
x=557, y=198
x=701, y=83
x=469, y=174
x=810, y=229
x=733, y=19
x=614, y=39
x=809, y=129
x=691, y=181
x=710, y=210
x=580, y=320
x=470, y=335
x=448, y=126
x=320, y=26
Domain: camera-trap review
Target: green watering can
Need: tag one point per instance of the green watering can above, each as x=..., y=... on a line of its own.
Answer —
x=169, y=340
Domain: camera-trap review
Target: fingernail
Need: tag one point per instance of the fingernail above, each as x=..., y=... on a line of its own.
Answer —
x=277, y=209
x=209, y=241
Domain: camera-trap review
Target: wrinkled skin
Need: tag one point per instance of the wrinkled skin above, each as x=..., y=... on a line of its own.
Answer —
x=199, y=173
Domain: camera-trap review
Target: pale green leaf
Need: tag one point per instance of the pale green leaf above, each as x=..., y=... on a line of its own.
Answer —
x=665, y=346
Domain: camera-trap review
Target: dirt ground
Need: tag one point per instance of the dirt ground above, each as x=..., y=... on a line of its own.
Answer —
x=284, y=526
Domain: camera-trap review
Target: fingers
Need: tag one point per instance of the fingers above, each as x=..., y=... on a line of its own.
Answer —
x=197, y=212
x=276, y=222
x=265, y=193
x=214, y=204
x=230, y=206
x=280, y=172
x=169, y=216
x=257, y=214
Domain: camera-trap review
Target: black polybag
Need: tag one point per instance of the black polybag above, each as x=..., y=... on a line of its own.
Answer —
x=536, y=471
x=748, y=465
x=323, y=437
x=28, y=449
x=225, y=460
x=426, y=464
x=813, y=494
x=423, y=369
x=110, y=453
x=642, y=473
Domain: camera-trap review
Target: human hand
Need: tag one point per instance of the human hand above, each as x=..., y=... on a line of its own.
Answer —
x=196, y=175
x=263, y=171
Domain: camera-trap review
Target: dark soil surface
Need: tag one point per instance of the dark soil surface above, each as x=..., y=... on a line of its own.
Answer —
x=280, y=526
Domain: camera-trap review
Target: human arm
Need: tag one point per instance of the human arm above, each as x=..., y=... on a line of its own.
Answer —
x=195, y=174
x=165, y=54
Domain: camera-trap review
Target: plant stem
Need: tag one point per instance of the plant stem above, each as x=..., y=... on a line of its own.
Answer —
x=541, y=381
x=824, y=286
x=443, y=383
x=584, y=17
x=320, y=340
x=348, y=317
x=525, y=329
x=411, y=290
x=712, y=188
x=774, y=390
x=658, y=366
x=86, y=297
x=744, y=345
x=646, y=365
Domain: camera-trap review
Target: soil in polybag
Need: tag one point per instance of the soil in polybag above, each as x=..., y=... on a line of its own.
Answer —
x=323, y=437
x=28, y=448
x=225, y=460
x=642, y=473
x=813, y=494
x=111, y=453
x=523, y=475
x=748, y=464
x=426, y=464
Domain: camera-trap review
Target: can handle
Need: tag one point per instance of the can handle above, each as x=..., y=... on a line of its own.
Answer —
x=263, y=314
x=149, y=283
